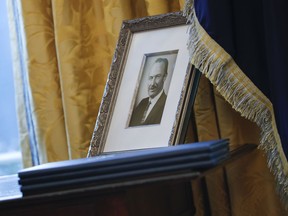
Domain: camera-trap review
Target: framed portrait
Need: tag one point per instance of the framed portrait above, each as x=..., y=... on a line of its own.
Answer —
x=148, y=87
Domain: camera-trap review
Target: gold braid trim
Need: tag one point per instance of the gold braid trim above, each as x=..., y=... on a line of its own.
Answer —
x=238, y=90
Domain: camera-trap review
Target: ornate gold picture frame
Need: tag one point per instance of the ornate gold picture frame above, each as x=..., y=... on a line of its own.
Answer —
x=148, y=87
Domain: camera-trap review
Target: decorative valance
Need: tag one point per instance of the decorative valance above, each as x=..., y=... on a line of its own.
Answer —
x=234, y=46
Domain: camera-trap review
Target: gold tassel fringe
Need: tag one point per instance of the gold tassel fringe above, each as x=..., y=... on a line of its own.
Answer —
x=238, y=90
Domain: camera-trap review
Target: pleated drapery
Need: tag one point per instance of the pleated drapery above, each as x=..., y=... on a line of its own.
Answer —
x=66, y=50
x=251, y=185
x=231, y=50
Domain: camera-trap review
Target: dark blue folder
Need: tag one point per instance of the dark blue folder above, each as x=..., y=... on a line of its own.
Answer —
x=120, y=166
x=123, y=157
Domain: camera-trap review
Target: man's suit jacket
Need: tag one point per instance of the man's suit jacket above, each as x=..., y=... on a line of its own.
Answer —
x=155, y=115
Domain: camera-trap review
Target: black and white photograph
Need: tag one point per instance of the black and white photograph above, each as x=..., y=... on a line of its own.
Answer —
x=147, y=90
x=153, y=89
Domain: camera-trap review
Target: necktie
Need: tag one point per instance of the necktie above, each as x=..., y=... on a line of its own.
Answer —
x=145, y=112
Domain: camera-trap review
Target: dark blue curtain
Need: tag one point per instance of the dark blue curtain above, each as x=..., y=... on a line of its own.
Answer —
x=255, y=34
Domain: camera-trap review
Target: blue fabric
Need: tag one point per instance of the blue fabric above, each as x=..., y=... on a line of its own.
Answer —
x=255, y=34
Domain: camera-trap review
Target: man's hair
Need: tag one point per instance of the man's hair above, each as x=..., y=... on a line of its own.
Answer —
x=165, y=62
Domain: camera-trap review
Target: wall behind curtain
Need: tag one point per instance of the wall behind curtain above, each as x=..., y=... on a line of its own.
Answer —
x=67, y=48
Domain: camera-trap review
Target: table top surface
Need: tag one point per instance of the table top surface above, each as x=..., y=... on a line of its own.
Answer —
x=10, y=192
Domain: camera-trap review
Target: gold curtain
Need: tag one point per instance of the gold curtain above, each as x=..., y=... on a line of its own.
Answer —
x=251, y=186
x=68, y=47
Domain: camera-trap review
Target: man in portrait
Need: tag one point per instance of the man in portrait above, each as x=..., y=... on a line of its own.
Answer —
x=150, y=109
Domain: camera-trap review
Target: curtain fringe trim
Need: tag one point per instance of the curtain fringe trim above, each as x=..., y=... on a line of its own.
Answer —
x=238, y=90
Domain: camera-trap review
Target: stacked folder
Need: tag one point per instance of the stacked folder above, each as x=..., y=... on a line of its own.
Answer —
x=121, y=166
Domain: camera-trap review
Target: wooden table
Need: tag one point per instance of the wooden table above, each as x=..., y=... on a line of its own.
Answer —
x=165, y=194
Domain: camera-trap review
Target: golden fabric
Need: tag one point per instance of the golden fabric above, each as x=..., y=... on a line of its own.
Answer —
x=69, y=45
x=18, y=83
x=251, y=186
x=238, y=90
x=231, y=125
x=205, y=113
